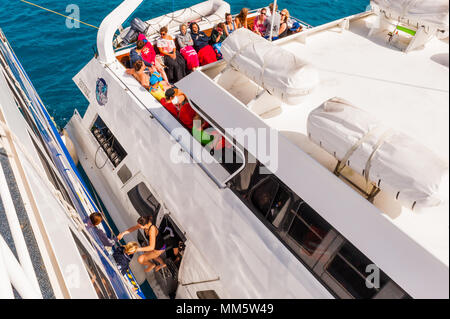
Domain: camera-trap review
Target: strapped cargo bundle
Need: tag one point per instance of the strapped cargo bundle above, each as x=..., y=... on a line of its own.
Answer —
x=280, y=72
x=388, y=159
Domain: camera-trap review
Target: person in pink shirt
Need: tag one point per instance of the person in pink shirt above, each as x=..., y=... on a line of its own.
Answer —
x=259, y=26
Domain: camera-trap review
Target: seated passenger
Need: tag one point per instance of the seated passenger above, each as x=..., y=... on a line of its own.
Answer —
x=157, y=84
x=94, y=220
x=218, y=35
x=230, y=25
x=172, y=59
x=198, y=131
x=187, y=50
x=156, y=246
x=123, y=255
x=144, y=51
x=183, y=109
x=259, y=26
x=284, y=29
x=241, y=19
x=138, y=71
x=276, y=23
x=205, y=52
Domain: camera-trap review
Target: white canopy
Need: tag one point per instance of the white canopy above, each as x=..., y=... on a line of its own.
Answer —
x=396, y=163
x=425, y=12
x=280, y=72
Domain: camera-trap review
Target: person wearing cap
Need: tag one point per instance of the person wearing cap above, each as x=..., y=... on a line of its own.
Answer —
x=177, y=104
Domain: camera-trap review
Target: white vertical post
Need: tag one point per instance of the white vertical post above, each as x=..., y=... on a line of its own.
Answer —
x=17, y=277
x=16, y=231
x=6, y=291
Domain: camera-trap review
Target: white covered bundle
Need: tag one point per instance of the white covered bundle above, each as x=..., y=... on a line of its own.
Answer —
x=425, y=12
x=393, y=161
x=281, y=72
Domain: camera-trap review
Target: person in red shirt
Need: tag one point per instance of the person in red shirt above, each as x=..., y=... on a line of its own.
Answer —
x=185, y=113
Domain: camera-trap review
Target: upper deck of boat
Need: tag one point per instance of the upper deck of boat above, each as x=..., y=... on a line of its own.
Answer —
x=407, y=91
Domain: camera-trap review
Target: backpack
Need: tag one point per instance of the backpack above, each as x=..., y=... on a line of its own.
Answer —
x=122, y=259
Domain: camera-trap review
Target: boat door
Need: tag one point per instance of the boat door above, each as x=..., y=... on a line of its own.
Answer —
x=196, y=278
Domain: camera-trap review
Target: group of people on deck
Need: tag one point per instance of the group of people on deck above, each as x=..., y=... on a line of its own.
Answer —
x=177, y=57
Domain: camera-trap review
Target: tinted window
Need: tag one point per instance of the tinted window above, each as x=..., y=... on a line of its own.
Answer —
x=308, y=229
x=263, y=196
x=108, y=142
x=143, y=200
x=101, y=284
x=349, y=269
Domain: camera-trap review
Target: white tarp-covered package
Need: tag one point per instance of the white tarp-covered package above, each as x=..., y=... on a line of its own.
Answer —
x=281, y=72
x=426, y=12
x=393, y=161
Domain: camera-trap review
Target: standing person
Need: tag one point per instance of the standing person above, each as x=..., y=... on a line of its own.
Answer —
x=205, y=52
x=276, y=22
x=172, y=59
x=230, y=25
x=259, y=26
x=284, y=29
x=217, y=37
x=241, y=19
x=93, y=221
x=156, y=246
x=187, y=50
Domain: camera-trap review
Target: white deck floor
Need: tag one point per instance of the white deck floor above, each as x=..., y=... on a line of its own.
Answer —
x=408, y=92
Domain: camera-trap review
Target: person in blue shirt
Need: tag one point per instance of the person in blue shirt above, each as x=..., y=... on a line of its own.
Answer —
x=206, y=53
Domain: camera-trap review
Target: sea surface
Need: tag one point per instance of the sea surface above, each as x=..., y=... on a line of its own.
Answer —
x=52, y=53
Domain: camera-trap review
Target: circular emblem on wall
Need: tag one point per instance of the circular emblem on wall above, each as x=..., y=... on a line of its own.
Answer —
x=101, y=91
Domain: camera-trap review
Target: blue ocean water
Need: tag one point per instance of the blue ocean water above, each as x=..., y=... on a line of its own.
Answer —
x=52, y=54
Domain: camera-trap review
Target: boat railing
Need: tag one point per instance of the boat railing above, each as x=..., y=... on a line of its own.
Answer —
x=251, y=14
x=66, y=169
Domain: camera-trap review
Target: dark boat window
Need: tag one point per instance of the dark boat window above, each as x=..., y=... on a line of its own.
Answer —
x=308, y=229
x=108, y=142
x=207, y=294
x=100, y=282
x=143, y=200
x=272, y=200
x=264, y=195
x=349, y=269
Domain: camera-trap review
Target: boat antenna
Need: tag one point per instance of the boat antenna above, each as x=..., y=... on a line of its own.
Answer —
x=272, y=18
x=33, y=4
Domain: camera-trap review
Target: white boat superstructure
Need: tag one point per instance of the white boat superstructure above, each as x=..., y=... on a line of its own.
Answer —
x=288, y=224
x=46, y=250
